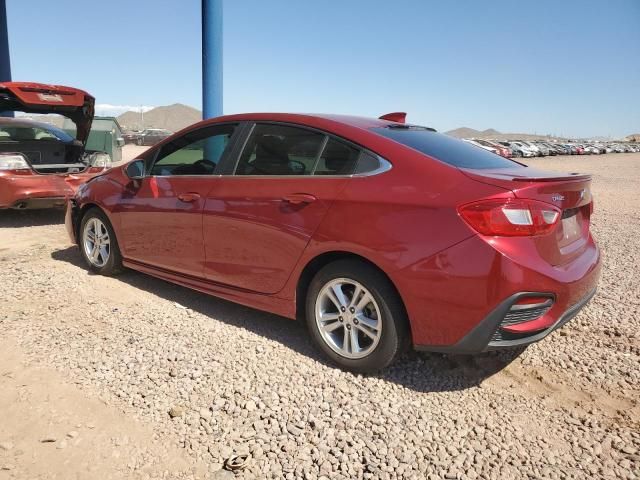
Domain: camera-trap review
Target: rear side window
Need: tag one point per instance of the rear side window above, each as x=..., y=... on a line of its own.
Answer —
x=337, y=159
x=446, y=149
x=280, y=150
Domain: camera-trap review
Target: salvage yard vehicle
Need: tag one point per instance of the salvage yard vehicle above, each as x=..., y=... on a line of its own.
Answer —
x=151, y=136
x=105, y=136
x=130, y=136
x=378, y=233
x=41, y=165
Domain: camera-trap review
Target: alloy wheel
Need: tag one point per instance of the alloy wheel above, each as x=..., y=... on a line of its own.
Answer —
x=348, y=318
x=96, y=242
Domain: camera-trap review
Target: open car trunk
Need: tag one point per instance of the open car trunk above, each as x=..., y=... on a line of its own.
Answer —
x=46, y=148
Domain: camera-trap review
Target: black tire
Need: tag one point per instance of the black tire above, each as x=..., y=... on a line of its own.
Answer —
x=394, y=337
x=113, y=265
x=139, y=142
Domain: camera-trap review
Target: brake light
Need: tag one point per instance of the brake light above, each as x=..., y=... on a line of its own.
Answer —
x=509, y=217
x=14, y=161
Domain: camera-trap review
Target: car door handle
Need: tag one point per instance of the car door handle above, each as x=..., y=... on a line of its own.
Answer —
x=298, y=198
x=188, y=197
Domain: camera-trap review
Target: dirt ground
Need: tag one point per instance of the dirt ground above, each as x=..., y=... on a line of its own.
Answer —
x=131, y=377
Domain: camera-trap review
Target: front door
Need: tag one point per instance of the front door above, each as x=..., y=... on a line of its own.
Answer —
x=258, y=220
x=161, y=218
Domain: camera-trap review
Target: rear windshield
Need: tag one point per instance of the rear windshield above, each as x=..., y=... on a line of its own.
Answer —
x=29, y=133
x=446, y=149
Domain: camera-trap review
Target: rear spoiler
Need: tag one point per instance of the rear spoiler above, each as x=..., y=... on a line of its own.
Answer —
x=40, y=98
x=398, y=117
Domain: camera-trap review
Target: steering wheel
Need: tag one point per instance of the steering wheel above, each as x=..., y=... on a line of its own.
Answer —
x=297, y=167
x=206, y=165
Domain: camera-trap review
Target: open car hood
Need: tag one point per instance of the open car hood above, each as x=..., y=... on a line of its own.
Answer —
x=40, y=98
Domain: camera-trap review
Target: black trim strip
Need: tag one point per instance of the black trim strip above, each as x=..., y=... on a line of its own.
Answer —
x=479, y=338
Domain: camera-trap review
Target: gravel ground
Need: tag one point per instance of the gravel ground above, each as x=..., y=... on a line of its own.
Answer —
x=212, y=379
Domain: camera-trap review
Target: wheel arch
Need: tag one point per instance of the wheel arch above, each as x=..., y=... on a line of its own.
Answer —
x=314, y=265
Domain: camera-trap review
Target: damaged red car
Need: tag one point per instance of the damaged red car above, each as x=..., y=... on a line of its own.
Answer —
x=377, y=233
x=40, y=164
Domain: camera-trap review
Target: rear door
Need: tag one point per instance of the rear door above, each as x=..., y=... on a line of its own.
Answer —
x=259, y=218
x=161, y=218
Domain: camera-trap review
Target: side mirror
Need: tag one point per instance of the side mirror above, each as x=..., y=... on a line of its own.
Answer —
x=120, y=141
x=135, y=170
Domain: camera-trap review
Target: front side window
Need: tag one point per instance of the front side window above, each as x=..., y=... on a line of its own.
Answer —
x=195, y=153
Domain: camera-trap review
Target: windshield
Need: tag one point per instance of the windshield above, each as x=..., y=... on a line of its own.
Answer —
x=32, y=132
x=444, y=148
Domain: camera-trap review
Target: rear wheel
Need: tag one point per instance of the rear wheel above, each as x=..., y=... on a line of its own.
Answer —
x=98, y=244
x=355, y=316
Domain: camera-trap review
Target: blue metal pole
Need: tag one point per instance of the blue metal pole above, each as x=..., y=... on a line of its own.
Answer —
x=211, y=58
x=5, y=60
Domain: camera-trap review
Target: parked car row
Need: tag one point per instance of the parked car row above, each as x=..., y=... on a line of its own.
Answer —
x=528, y=149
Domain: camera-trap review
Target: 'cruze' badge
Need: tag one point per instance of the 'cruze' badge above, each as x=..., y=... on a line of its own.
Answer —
x=556, y=197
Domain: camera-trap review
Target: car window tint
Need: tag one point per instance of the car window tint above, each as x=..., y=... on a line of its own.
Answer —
x=446, y=149
x=367, y=163
x=195, y=153
x=337, y=159
x=280, y=150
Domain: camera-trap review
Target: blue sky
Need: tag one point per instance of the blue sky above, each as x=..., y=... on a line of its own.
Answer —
x=569, y=67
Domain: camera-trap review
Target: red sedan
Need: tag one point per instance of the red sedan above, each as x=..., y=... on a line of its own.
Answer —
x=378, y=233
x=41, y=165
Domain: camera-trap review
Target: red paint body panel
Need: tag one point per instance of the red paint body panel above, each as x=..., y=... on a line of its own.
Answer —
x=243, y=241
x=254, y=236
x=160, y=229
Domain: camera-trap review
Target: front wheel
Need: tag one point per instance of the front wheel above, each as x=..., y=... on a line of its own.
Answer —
x=355, y=316
x=98, y=244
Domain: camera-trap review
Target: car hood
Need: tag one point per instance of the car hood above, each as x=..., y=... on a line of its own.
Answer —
x=40, y=98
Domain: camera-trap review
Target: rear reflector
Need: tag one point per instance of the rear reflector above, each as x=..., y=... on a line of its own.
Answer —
x=510, y=217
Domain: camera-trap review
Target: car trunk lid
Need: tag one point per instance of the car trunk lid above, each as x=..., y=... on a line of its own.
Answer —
x=570, y=192
x=39, y=98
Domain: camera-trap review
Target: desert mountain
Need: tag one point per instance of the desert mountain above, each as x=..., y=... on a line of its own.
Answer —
x=171, y=117
x=466, y=132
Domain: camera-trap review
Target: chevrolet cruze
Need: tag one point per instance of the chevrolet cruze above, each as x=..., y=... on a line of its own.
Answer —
x=379, y=234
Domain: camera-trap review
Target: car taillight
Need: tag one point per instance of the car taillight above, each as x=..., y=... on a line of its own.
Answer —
x=14, y=161
x=101, y=160
x=510, y=217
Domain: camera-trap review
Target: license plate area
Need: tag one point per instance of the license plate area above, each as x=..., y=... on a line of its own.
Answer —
x=571, y=228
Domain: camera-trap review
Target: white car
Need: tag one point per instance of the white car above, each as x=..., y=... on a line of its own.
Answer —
x=526, y=149
x=532, y=146
x=484, y=147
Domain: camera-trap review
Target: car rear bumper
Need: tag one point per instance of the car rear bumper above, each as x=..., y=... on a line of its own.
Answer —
x=458, y=299
x=21, y=191
x=486, y=335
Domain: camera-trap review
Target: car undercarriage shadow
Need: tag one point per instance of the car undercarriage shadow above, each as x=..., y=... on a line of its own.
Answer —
x=31, y=218
x=419, y=371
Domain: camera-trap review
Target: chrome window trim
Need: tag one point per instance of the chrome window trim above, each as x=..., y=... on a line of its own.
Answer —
x=385, y=166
